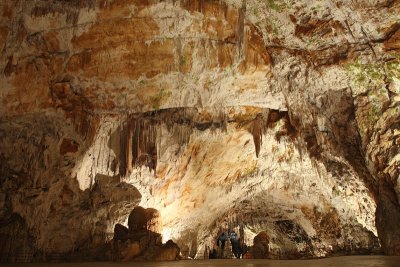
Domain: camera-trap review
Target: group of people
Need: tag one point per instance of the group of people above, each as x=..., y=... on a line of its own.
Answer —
x=239, y=248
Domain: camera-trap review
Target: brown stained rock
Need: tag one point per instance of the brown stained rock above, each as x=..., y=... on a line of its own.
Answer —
x=3, y=36
x=320, y=28
x=77, y=107
x=260, y=249
x=118, y=8
x=258, y=129
x=79, y=61
x=326, y=223
x=22, y=32
x=213, y=9
x=330, y=56
x=126, y=59
x=191, y=5
x=393, y=43
x=256, y=56
x=10, y=67
x=168, y=252
x=16, y=240
x=144, y=219
x=52, y=42
x=8, y=11
x=387, y=219
x=67, y=196
x=31, y=76
x=336, y=54
x=124, y=53
x=140, y=237
x=68, y=146
x=125, y=32
x=232, y=16
x=373, y=4
x=148, y=239
x=219, y=30
x=137, y=220
x=225, y=54
x=154, y=220
x=186, y=56
x=131, y=251
x=120, y=232
x=64, y=97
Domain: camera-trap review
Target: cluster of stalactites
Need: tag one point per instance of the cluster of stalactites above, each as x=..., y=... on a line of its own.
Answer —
x=140, y=137
x=138, y=145
x=271, y=119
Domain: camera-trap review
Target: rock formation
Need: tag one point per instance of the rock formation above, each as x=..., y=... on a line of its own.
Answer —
x=282, y=116
x=140, y=241
x=260, y=249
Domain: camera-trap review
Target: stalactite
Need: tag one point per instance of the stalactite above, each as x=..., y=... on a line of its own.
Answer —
x=128, y=150
x=259, y=127
x=109, y=154
x=122, y=153
x=184, y=133
x=240, y=30
x=140, y=137
x=222, y=121
x=144, y=143
x=257, y=135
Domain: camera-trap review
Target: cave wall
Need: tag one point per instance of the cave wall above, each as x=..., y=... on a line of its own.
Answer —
x=61, y=220
x=280, y=114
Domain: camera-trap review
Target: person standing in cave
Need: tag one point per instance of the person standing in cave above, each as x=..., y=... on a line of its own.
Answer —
x=212, y=254
x=221, y=242
x=235, y=241
x=243, y=249
x=242, y=245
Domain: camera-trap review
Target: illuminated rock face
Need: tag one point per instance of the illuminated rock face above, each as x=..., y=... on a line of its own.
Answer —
x=280, y=115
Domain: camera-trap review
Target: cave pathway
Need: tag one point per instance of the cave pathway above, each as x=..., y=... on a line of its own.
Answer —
x=344, y=261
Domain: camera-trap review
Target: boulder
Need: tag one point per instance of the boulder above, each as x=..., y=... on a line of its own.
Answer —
x=130, y=251
x=260, y=248
x=137, y=219
x=121, y=232
x=153, y=220
x=168, y=252
x=144, y=219
x=151, y=239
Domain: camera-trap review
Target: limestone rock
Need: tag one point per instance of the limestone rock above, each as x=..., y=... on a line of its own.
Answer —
x=120, y=232
x=168, y=252
x=281, y=116
x=260, y=249
x=130, y=251
x=137, y=220
x=139, y=241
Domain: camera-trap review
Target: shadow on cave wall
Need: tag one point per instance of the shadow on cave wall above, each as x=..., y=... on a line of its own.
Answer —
x=336, y=125
x=41, y=205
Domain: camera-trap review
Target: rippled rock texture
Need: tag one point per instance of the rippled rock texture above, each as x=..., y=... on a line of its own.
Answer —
x=281, y=116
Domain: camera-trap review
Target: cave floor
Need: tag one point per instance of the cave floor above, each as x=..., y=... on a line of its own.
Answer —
x=345, y=261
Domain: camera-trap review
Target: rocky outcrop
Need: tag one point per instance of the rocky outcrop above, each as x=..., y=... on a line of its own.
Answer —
x=140, y=241
x=260, y=249
x=17, y=242
x=279, y=115
x=61, y=220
